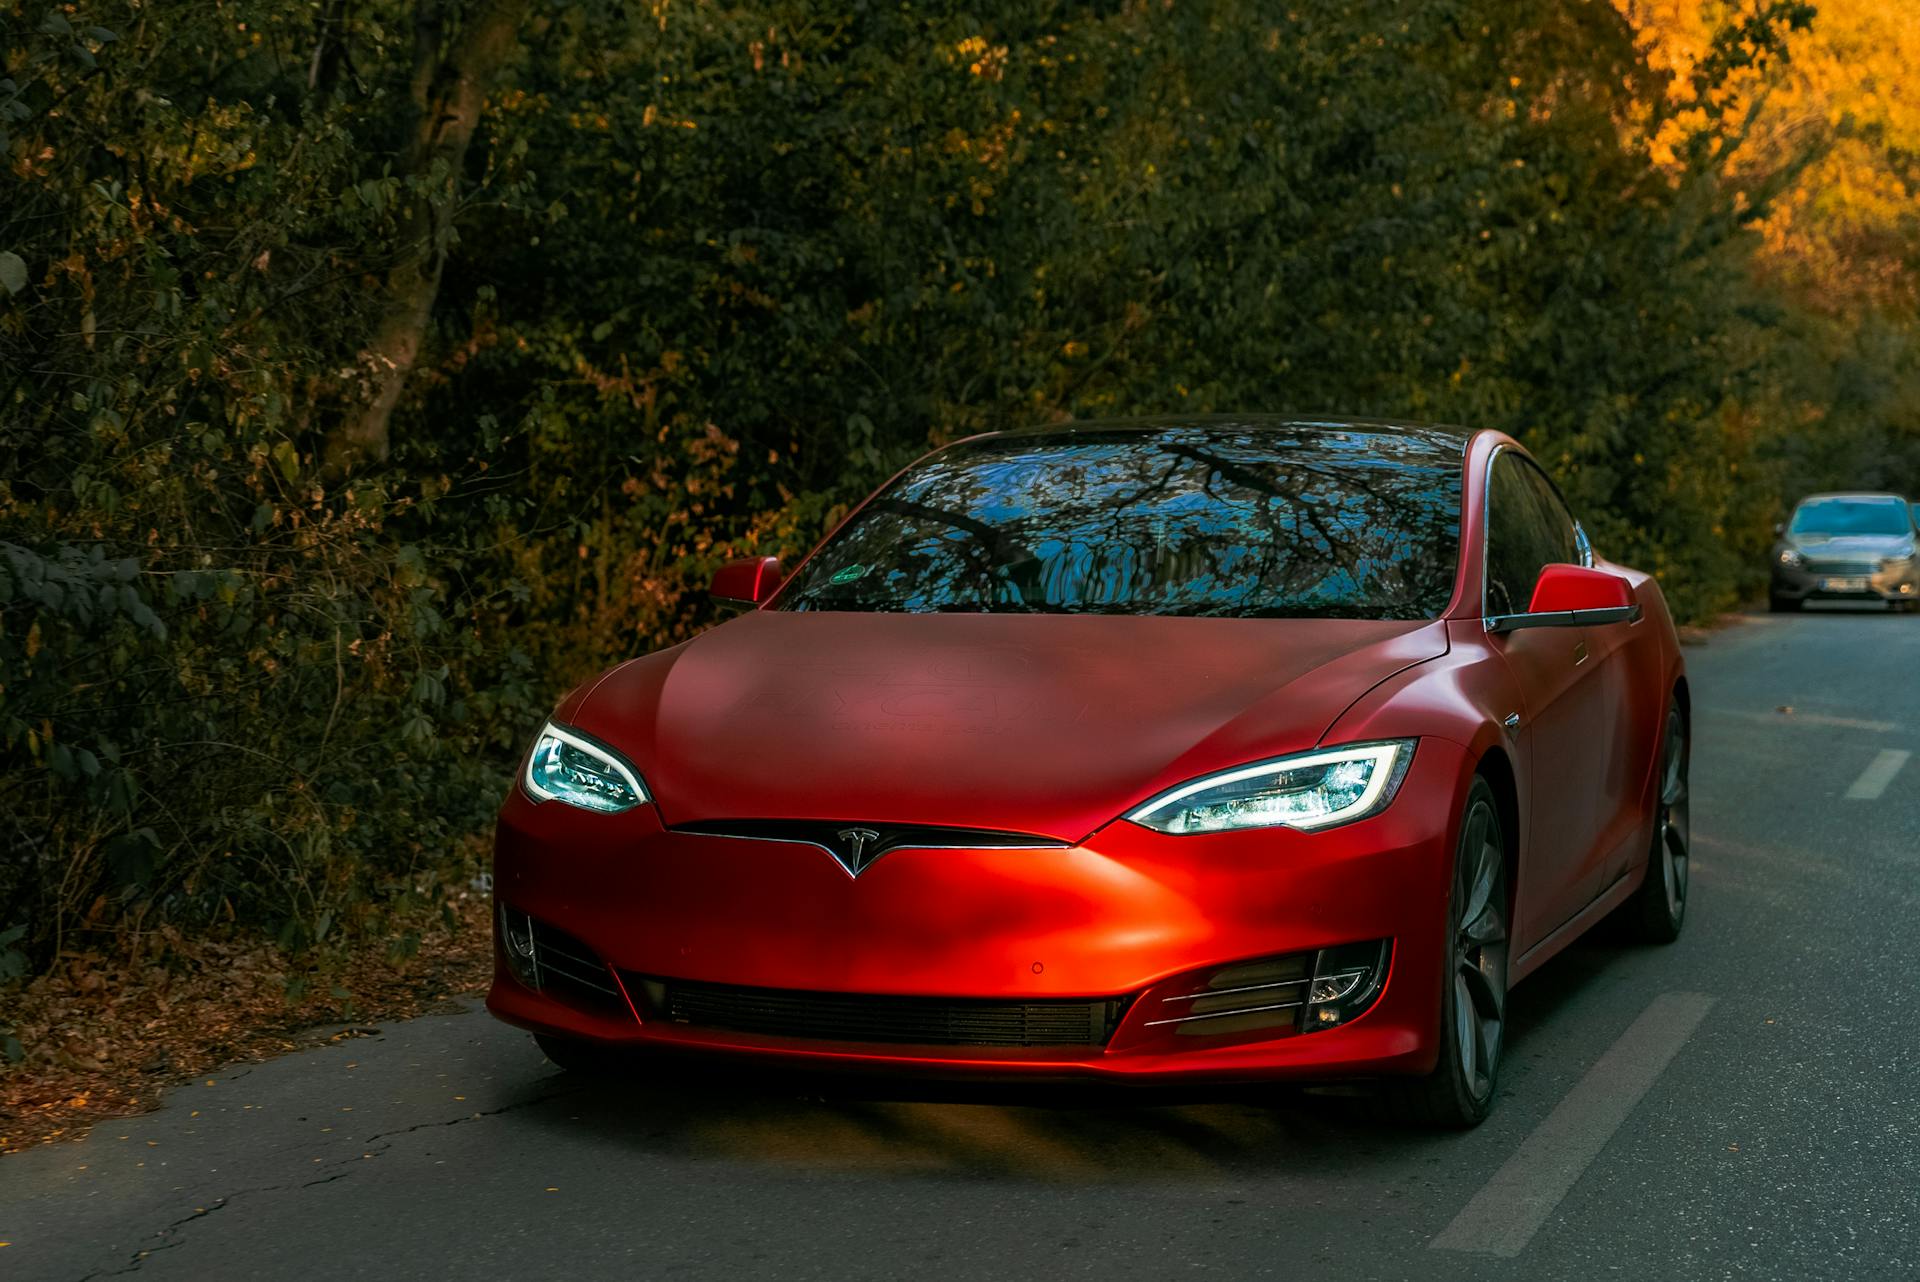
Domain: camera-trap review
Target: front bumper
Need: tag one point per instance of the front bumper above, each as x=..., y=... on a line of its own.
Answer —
x=1847, y=583
x=1129, y=917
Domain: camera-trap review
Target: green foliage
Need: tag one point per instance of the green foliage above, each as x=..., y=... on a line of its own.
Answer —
x=719, y=268
x=892, y=228
x=227, y=692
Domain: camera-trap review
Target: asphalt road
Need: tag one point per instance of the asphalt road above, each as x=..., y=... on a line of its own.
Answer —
x=1744, y=1104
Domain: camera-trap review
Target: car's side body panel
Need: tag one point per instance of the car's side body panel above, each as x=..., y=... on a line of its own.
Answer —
x=1583, y=751
x=1564, y=717
x=1644, y=671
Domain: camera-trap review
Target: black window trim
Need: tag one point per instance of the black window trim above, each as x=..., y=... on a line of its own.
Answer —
x=1486, y=519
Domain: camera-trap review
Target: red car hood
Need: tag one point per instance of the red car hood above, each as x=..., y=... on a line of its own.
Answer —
x=1045, y=724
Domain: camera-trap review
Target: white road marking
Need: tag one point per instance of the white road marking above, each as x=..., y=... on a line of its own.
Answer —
x=1874, y=779
x=1843, y=723
x=1504, y=1215
x=1808, y=719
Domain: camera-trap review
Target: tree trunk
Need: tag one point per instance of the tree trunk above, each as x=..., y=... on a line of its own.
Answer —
x=450, y=81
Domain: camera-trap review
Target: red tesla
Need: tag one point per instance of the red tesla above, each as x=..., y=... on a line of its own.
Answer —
x=1177, y=749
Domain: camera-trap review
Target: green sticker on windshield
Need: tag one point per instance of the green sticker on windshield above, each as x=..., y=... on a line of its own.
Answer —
x=848, y=575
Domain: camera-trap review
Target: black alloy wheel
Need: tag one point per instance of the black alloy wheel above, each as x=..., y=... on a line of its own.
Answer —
x=1473, y=998
x=1658, y=909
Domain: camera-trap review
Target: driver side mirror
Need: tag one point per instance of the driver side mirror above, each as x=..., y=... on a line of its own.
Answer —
x=1572, y=596
x=747, y=582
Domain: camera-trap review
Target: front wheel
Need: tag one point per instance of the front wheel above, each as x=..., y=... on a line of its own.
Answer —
x=1658, y=909
x=1473, y=999
x=1784, y=604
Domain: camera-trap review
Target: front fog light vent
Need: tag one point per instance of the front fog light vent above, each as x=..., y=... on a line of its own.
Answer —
x=516, y=942
x=1345, y=982
x=553, y=962
x=1337, y=987
x=1293, y=993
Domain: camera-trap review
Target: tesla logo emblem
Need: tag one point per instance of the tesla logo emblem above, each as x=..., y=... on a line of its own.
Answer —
x=858, y=848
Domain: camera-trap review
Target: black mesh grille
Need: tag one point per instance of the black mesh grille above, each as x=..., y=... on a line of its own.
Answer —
x=1845, y=569
x=859, y=1017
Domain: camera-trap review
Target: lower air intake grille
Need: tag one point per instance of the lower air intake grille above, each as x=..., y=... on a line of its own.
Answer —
x=569, y=966
x=857, y=1017
x=549, y=960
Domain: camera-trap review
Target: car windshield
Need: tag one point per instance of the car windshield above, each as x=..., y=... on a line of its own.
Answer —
x=1290, y=521
x=1851, y=516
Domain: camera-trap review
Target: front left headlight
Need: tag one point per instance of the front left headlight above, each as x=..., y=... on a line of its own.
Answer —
x=1310, y=790
x=567, y=767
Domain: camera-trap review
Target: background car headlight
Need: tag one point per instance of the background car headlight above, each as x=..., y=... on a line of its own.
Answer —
x=1311, y=790
x=568, y=768
x=1792, y=557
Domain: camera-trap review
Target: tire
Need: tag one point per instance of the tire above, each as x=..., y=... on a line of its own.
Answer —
x=579, y=1058
x=1784, y=604
x=1473, y=997
x=1657, y=911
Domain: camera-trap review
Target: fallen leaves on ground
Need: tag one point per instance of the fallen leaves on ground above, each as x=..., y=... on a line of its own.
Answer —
x=105, y=1040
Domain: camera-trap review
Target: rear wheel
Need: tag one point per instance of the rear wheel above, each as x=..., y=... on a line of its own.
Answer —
x=1659, y=908
x=1473, y=1000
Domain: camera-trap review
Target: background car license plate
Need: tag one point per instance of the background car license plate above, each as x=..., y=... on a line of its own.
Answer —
x=1852, y=583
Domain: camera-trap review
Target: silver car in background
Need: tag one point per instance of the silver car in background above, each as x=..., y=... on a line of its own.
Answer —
x=1847, y=547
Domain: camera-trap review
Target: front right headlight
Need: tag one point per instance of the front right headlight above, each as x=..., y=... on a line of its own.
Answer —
x=1309, y=790
x=1791, y=558
x=567, y=767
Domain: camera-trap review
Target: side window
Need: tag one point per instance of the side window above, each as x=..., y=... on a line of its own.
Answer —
x=1511, y=568
x=1557, y=527
x=1527, y=527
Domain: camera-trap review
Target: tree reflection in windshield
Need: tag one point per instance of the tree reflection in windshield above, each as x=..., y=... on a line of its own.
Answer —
x=1232, y=518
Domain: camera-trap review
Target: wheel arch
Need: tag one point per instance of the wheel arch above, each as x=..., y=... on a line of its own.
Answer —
x=1680, y=696
x=1496, y=767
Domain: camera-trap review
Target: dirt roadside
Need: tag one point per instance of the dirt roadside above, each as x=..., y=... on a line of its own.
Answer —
x=102, y=1040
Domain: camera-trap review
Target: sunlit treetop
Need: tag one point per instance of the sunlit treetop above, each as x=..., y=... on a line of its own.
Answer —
x=1832, y=145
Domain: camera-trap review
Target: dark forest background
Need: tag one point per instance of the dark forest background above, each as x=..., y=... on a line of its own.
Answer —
x=373, y=370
